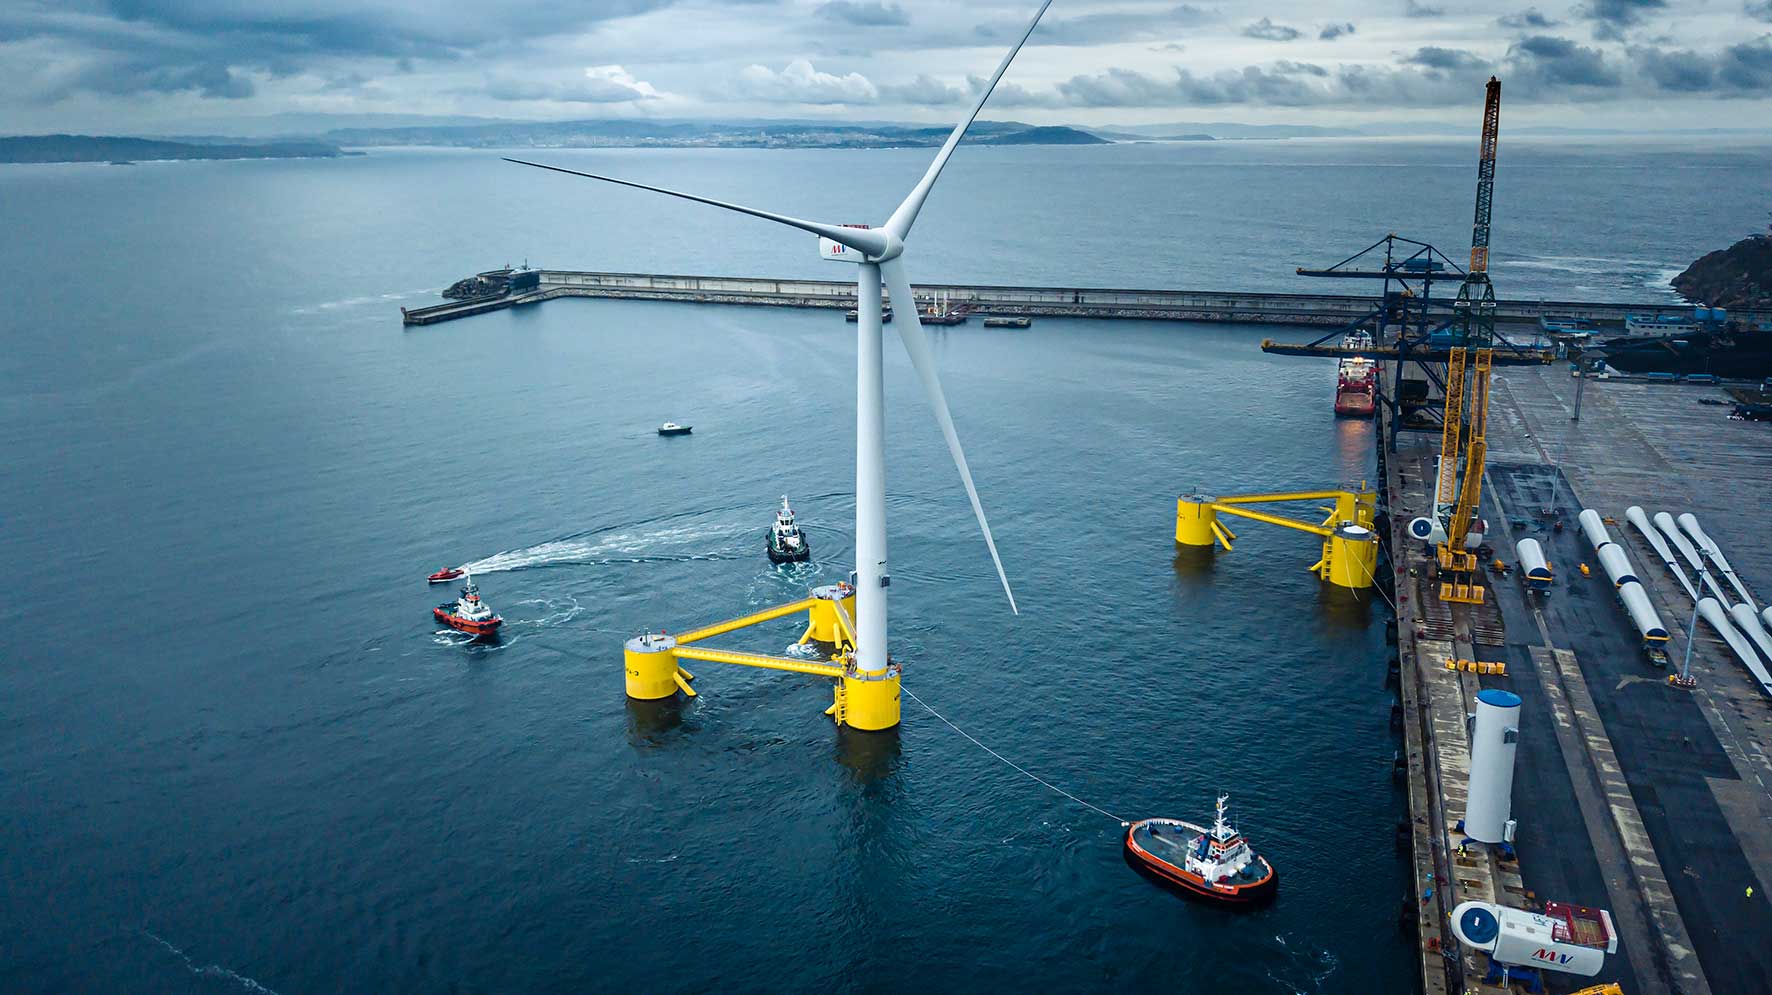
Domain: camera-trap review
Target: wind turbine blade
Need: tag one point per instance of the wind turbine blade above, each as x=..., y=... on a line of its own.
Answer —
x=870, y=241
x=902, y=219
x=910, y=331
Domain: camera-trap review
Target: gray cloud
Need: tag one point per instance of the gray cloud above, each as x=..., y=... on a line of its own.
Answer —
x=1681, y=72
x=1411, y=8
x=926, y=91
x=1331, y=32
x=1009, y=94
x=1531, y=18
x=1558, y=62
x=213, y=49
x=1747, y=66
x=1738, y=70
x=868, y=15
x=1285, y=67
x=1444, y=59
x=1267, y=30
x=1758, y=11
x=1102, y=28
x=1612, y=17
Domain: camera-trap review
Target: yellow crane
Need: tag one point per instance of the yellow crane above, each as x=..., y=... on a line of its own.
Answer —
x=1467, y=410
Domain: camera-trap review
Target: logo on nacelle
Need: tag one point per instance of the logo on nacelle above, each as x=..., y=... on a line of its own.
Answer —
x=837, y=252
x=1552, y=956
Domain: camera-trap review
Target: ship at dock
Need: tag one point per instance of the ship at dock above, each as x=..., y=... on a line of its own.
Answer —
x=1356, y=379
x=1735, y=351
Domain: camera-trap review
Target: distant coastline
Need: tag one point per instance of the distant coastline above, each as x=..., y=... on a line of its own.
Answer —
x=124, y=151
x=702, y=134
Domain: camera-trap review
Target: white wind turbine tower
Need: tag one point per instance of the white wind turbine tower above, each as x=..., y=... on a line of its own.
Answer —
x=878, y=253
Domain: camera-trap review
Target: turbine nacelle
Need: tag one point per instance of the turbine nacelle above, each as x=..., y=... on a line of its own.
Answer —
x=865, y=245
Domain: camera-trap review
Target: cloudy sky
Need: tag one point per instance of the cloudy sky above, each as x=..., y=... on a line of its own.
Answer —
x=165, y=66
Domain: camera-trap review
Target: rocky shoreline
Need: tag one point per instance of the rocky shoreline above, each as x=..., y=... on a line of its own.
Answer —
x=1739, y=277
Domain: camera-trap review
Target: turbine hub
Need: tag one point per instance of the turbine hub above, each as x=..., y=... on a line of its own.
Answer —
x=894, y=249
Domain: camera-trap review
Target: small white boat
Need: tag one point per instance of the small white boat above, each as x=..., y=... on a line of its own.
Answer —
x=672, y=428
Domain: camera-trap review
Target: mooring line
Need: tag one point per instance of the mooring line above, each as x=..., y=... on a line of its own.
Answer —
x=1380, y=588
x=1008, y=761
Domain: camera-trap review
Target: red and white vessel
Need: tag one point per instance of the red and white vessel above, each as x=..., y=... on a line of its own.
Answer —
x=445, y=575
x=1356, y=379
x=468, y=613
x=1216, y=864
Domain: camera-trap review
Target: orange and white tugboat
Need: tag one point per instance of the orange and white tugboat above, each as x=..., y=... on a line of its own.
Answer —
x=1216, y=864
x=1356, y=379
x=468, y=613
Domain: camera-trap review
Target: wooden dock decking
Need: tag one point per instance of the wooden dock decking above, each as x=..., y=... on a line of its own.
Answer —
x=1327, y=310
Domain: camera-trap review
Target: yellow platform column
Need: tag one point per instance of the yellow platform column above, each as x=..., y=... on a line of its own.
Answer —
x=1194, y=518
x=652, y=666
x=870, y=701
x=821, y=618
x=1352, y=552
x=1358, y=507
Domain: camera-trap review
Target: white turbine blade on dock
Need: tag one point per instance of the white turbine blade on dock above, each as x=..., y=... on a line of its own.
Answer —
x=866, y=240
x=916, y=344
x=902, y=219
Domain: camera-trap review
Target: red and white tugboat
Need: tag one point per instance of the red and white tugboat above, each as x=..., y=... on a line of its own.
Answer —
x=1356, y=379
x=1216, y=864
x=468, y=613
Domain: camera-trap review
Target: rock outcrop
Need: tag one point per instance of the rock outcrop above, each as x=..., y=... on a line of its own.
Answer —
x=1737, y=277
x=488, y=284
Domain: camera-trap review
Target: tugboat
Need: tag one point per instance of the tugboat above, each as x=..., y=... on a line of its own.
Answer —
x=445, y=575
x=1356, y=379
x=672, y=428
x=1215, y=864
x=468, y=614
x=787, y=544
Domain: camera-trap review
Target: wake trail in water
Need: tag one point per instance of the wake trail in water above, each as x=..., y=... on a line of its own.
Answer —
x=210, y=970
x=622, y=544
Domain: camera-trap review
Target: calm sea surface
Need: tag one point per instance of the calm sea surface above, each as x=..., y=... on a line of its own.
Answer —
x=236, y=754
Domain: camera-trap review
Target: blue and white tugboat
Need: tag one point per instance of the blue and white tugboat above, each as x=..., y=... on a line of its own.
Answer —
x=1215, y=864
x=787, y=544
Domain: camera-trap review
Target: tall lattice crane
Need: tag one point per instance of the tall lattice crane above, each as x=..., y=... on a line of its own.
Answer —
x=1467, y=410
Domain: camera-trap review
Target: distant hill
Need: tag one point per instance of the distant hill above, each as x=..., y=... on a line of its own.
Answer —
x=90, y=148
x=1737, y=277
x=1043, y=136
x=703, y=134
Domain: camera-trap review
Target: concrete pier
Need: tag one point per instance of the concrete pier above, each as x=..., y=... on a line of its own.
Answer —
x=1325, y=310
x=1632, y=795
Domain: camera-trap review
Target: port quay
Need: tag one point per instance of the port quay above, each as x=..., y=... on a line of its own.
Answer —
x=1329, y=310
x=1649, y=798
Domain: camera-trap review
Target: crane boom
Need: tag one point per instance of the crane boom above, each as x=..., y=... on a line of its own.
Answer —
x=1475, y=307
x=1486, y=176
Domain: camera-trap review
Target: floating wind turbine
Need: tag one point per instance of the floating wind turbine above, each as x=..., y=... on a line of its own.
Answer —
x=878, y=253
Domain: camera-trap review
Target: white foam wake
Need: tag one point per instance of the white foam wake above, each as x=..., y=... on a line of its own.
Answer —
x=688, y=542
x=211, y=970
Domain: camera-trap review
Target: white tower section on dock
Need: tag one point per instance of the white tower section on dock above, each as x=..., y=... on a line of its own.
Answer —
x=1495, y=731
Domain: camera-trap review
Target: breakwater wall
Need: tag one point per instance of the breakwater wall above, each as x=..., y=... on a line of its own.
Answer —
x=1328, y=310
